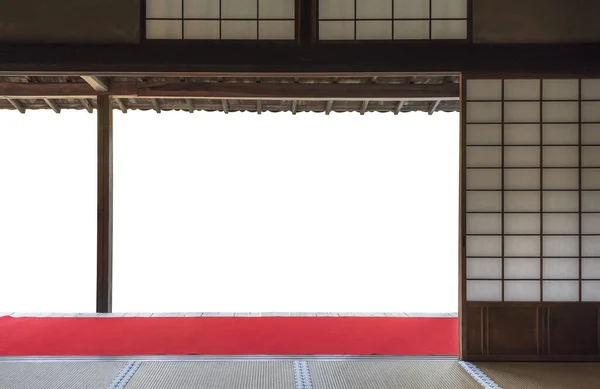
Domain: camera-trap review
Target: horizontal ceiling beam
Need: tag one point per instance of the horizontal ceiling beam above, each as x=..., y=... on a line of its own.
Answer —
x=239, y=91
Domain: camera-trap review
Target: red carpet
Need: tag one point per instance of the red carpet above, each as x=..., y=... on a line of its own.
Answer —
x=227, y=336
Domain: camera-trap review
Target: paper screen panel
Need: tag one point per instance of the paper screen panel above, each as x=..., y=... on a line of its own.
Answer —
x=484, y=268
x=561, y=291
x=484, y=156
x=522, y=223
x=449, y=9
x=520, y=201
x=522, y=291
x=561, y=246
x=484, y=134
x=515, y=268
x=561, y=179
x=484, y=223
x=590, y=291
x=590, y=89
x=164, y=29
x=590, y=156
x=521, y=90
x=449, y=29
x=164, y=9
x=521, y=134
x=484, y=90
x=203, y=9
x=561, y=223
x=590, y=178
x=488, y=179
x=520, y=179
x=590, y=268
x=373, y=30
x=484, y=290
x=521, y=156
x=561, y=112
x=561, y=156
x=590, y=223
x=590, y=134
x=484, y=201
x=374, y=9
x=590, y=111
x=480, y=112
x=590, y=246
x=522, y=112
x=561, y=134
x=484, y=246
x=561, y=268
x=590, y=201
x=517, y=246
x=561, y=89
x=556, y=201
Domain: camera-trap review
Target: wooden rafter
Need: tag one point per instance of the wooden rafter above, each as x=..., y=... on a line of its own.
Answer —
x=156, y=105
x=17, y=104
x=86, y=104
x=434, y=106
x=121, y=105
x=190, y=105
x=52, y=104
x=225, y=106
x=328, y=107
x=99, y=84
x=398, y=107
x=258, y=107
x=364, y=106
x=294, y=107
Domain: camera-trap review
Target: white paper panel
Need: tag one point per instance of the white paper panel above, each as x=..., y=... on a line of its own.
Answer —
x=411, y=9
x=521, y=268
x=590, y=291
x=590, y=178
x=561, y=268
x=561, y=134
x=516, y=246
x=484, y=179
x=521, y=178
x=278, y=9
x=590, y=111
x=239, y=29
x=336, y=30
x=522, y=223
x=202, y=8
x=163, y=29
x=561, y=178
x=561, y=291
x=484, y=134
x=522, y=201
x=590, y=156
x=590, y=223
x=522, y=134
x=411, y=29
x=561, y=156
x=561, y=112
x=522, y=290
x=521, y=89
x=590, y=246
x=449, y=9
x=484, y=223
x=484, y=156
x=484, y=290
x=561, y=223
x=484, y=112
x=561, y=90
x=276, y=29
x=484, y=90
x=373, y=9
x=336, y=9
x=163, y=9
x=449, y=29
x=561, y=246
x=590, y=89
x=374, y=30
x=484, y=201
x=201, y=29
x=484, y=268
x=590, y=201
x=561, y=202
x=521, y=156
x=590, y=268
x=484, y=246
x=526, y=112
x=239, y=9
x=590, y=134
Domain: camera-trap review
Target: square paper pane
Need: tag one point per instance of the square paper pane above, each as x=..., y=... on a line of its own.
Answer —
x=484, y=268
x=163, y=9
x=522, y=223
x=561, y=134
x=449, y=29
x=484, y=134
x=590, y=156
x=484, y=156
x=561, y=156
x=521, y=179
x=561, y=223
x=590, y=134
x=561, y=291
x=521, y=112
x=522, y=134
x=336, y=30
x=590, y=291
x=561, y=268
x=484, y=90
x=590, y=111
x=411, y=9
x=201, y=29
x=522, y=290
x=239, y=9
x=411, y=29
x=590, y=201
x=563, y=112
x=484, y=223
x=561, y=201
x=374, y=9
x=487, y=179
x=590, y=223
x=201, y=9
x=484, y=201
x=522, y=246
x=484, y=112
x=233, y=29
x=522, y=201
x=590, y=268
x=276, y=9
x=484, y=290
x=374, y=30
x=336, y=9
x=561, y=90
x=484, y=246
x=516, y=268
x=561, y=246
x=590, y=178
x=522, y=89
x=522, y=156
x=590, y=89
x=590, y=246
x=449, y=9
x=163, y=29
x=276, y=30
x=561, y=178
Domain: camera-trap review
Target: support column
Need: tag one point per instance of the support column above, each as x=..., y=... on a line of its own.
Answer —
x=104, y=216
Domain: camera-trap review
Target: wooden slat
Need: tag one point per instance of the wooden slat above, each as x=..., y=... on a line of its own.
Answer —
x=294, y=107
x=17, y=104
x=105, y=206
x=52, y=105
x=433, y=107
x=190, y=105
x=225, y=106
x=329, y=107
x=364, y=106
x=121, y=105
x=99, y=84
x=398, y=107
x=156, y=105
x=86, y=104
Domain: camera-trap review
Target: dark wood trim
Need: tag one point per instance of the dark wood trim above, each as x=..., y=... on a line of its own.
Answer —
x=462, y=266
x=105, y=208
x=289, y=58
x=306, y=22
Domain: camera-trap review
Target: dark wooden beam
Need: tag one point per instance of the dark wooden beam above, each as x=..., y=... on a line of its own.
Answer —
x=156, y=105
x=105, y=208
x=52, y=105
x=17, y=104
x=364, y=106
x=398, y=107
x=86, y=104
x=306, y=22
x=99, y=84
x=433, y=107
x=328, y=107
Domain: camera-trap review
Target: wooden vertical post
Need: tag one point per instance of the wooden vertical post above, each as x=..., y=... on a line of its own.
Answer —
x=104, y=216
